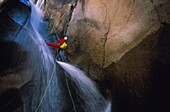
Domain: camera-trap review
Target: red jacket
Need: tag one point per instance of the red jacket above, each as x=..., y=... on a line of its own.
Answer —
x=61, y=41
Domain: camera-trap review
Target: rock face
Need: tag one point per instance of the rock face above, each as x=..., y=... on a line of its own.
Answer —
x=13, y=56
x=120, y=44
x=123, y=45
x=110, y=29
x=13, y=60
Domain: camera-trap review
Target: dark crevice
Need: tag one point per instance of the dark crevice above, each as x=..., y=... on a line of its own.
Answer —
x=104, y=39
x=73, y=5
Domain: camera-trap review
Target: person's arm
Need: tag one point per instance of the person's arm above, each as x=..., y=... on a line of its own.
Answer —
x=53, y=44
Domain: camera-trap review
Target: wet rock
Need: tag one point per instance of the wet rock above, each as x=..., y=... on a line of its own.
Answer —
x=117, y=42
x=13, y=58
x=13, y=55
x=123, y=45
x=58, y=17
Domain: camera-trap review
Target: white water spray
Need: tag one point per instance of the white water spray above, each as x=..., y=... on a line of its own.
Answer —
x=94, y=101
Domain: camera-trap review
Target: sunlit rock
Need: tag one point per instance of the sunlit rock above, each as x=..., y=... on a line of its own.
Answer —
x=107, y=30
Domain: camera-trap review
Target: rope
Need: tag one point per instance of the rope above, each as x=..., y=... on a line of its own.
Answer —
x=68, y=87
x=45, y=92
x=47, y=89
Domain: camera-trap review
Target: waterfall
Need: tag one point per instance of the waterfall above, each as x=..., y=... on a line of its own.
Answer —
x=48, y=91
x=40, y=3
x=43, y=92
x=93, y=100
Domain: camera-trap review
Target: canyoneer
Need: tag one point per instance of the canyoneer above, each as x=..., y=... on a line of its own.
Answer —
x=61, y=46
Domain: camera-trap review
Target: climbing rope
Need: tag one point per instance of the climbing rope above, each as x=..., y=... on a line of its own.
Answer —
x=68, y=87
x=45, y=92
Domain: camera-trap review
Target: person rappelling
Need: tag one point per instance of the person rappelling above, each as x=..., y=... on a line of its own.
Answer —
x=61, y=46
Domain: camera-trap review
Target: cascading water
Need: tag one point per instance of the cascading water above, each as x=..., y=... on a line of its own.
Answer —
x=93, y=100
x=42, y=92
x=46, y=91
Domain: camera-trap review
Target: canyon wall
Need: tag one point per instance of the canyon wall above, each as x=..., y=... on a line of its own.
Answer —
x=122, y=45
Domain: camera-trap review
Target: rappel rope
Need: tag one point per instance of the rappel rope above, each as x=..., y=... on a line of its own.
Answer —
x=68, y=87
x=40, y=103
x=45, y=91
x=65, y=31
